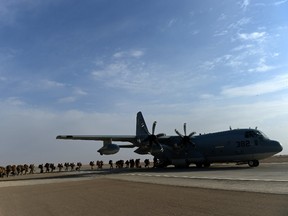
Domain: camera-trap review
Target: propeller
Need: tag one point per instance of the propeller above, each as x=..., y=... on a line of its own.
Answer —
x=153, y=139
x=186, y=139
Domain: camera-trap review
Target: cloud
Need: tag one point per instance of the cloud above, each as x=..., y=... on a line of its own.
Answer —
x=240, y=23
x=210, y=65
x=79, y=91
x=245, y=4
x=254, y=36
x=51, y=84
x=115, y=69
x=128, y=54
x=172, y=22
x=280, y=2
x=12, y=101
x=126, y=70
x=76, y=94
x=276, y=84
x=262, y=66
x=70, y=99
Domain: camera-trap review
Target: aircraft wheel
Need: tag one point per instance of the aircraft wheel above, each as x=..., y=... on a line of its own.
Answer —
x=256, y=163
x=207, y=164
x=199, y=165
x=162, y=164
x=253, y=163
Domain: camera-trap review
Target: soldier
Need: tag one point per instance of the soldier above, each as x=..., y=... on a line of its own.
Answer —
x=66, y=164
x=127, y=163
x=72, y=165
x=155, y=162
x=47, y=167
x=92, y=164
x=32, y=168
x=99, y=164
x=20, y=169
x=52, y=167
x=60, y=167
x=79, y=165
x=8, y=170
x=13, y=171
x=137, y=163
x=111, y=164
x=147, y=163
x=132, y=163
x=26, y=168
x=120, y=163
x=41, y=167
x=2, y=171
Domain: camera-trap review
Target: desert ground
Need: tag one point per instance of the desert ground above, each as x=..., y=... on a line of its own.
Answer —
x=113, y=197
x=103, y=196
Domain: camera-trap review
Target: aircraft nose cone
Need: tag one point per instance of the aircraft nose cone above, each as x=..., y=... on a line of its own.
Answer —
x=281, y=147
x=278, y=146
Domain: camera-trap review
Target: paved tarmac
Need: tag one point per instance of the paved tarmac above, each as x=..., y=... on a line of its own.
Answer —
x=267, y=178
x=219, y=190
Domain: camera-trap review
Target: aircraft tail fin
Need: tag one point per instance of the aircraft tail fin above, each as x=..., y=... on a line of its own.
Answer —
x=141, y=127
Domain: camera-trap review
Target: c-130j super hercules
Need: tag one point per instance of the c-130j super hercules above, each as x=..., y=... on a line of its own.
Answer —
x=243, y=146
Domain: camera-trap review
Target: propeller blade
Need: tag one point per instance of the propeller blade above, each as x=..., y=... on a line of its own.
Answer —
x=191, y=134
x=160, y=135
x=177, y=132
x=152, y=139
x=153, y=127
x=185, y=139
x=184, y=126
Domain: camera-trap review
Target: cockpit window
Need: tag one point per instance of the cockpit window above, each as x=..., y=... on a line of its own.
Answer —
x=262, y=134
x=249, y=134
x=255, y=133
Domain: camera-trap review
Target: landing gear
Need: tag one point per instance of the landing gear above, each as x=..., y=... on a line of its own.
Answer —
x=253, y=163
x=205, y=165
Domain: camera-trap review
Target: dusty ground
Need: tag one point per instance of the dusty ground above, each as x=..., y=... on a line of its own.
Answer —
x=113, y=197
x=276, y=159
x=102, y=196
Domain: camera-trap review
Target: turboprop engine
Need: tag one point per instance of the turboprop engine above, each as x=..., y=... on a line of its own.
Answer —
x=109, y=149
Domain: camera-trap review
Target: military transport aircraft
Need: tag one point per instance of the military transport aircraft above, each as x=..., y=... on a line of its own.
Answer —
x=241, y=146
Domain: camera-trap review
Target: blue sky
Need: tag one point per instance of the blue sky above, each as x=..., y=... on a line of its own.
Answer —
x=87, y=67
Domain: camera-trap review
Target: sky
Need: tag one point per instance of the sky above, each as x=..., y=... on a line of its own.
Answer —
x=87, y=67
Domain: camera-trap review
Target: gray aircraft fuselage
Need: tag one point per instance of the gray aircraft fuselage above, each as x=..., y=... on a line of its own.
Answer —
x=238, y=145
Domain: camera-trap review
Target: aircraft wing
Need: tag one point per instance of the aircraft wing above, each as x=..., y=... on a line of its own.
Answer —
x=120, y=138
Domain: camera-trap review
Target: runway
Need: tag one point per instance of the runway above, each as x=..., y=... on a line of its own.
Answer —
x=219, y=190
x=267, y=178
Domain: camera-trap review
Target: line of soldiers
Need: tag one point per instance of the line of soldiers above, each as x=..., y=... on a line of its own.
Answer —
x=50, y=167
x=30, y=169
x=129, y=163
x=17, y=170
x=99, y=164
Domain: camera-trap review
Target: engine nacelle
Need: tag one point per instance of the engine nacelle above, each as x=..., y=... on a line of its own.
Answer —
x=109, y=149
